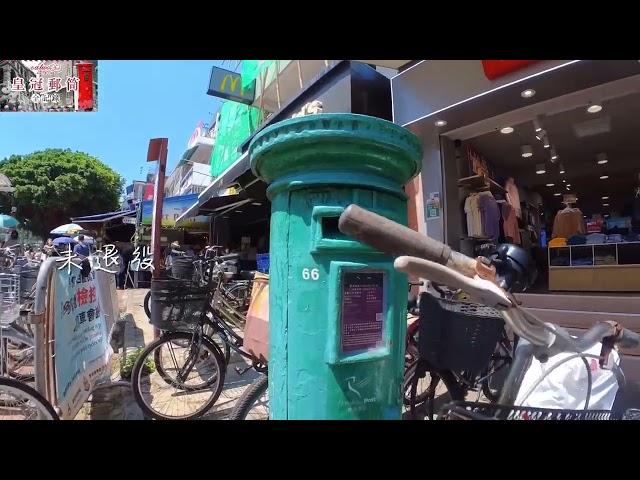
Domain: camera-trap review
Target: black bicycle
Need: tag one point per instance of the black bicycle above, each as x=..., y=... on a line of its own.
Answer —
x=180, y=375
x=546, y=342
x=458, y=354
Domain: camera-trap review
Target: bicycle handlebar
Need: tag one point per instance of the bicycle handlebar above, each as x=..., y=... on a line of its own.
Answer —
x=628, y=339
x=425, y=257
x=484, y=291
x=390, y=237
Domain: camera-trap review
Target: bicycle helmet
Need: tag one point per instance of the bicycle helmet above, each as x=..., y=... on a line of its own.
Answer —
x=515, y=269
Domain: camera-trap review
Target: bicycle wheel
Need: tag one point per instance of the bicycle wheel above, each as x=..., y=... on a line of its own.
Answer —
x=160, y=360
x=443, y=388
x=496, y=372
x=193, y=372
x=21, y=402
x=147, y=303
x=240, y=294
x=253, y=404
x=424, y=386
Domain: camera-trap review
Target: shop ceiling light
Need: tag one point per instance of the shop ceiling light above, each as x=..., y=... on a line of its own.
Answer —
x=564, y=181
x=550, y=184
x=545, y=142
x=561, y=168
x=257, y=204
x=594, y=107
x=528, y=93
x=441, y=123
x=557, y=194
x=238, y=211
x=604, y=177
x=554, y=154
x=568, y=184
x=541, y=134
x=537, y=124
x=527, y=151
x=602, y=158
x=605, y=204
x=605, y=198
x=540, y=169
x=506, y=130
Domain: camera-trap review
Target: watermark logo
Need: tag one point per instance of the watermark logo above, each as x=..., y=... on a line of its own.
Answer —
x=48, y=86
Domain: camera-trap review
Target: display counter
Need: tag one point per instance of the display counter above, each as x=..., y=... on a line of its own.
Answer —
x=607, y=267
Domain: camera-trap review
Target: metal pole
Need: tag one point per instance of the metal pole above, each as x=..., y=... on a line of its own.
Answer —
x=157, y=151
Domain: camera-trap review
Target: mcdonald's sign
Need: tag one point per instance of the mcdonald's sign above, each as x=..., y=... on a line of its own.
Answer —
x=228, y=85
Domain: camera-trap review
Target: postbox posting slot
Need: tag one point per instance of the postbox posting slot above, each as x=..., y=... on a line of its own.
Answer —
x=325, y=234
x=359, y=319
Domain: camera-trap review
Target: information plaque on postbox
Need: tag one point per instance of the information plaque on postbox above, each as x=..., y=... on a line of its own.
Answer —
x=362, y=312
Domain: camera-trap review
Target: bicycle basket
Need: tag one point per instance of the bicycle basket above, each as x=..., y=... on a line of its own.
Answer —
x=458, y=336
x=9, y=298
x=488, y=411
x=177, y=304
x=28, y=277
x=182, y=268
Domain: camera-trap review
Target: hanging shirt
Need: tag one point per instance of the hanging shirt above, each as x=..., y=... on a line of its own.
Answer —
x=510, y=223
x=474, y=222
x=490, y=214
x=513, y=197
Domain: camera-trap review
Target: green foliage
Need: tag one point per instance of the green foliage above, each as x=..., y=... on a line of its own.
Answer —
x=54, y=185
x=127, y=363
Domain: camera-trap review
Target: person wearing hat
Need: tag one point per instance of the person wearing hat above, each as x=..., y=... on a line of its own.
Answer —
x=174, y=250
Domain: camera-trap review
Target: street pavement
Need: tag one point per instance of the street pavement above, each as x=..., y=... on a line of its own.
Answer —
x=115, y=400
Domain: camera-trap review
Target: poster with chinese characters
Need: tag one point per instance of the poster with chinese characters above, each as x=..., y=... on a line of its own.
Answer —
x=362, y=311
x=48, y=86
x=81, y=345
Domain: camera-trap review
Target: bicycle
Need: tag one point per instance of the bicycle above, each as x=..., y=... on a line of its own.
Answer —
x=186, y=357
x=427, y=379
x=17, y=399
x=427, y=258
x=236, y=291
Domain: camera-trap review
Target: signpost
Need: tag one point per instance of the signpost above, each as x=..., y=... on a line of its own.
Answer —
x=157, y=152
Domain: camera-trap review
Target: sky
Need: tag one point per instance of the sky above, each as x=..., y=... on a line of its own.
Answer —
x=137, y=101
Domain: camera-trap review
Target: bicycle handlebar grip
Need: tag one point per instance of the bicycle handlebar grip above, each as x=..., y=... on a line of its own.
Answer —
x=390, y=237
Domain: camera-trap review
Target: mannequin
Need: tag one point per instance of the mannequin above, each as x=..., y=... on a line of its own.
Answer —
x=568, y=222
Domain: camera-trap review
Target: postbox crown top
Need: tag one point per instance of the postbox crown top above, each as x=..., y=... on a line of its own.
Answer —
x=337, y=142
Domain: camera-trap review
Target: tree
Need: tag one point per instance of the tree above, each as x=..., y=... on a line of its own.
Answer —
x=53, y=185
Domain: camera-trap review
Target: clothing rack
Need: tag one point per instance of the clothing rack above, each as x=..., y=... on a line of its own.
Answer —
x=479, y=183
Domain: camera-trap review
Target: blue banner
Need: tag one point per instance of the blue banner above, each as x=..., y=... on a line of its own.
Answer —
x=172, y=208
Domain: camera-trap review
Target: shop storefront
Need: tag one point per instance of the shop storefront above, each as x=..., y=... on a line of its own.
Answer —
x=236, y=200
x=536, y=153
x=479, y=126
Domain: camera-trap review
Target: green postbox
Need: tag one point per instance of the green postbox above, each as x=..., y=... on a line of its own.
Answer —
x=337, y=308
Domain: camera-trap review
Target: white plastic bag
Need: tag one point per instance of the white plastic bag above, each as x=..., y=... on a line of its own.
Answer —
x=566, y=386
